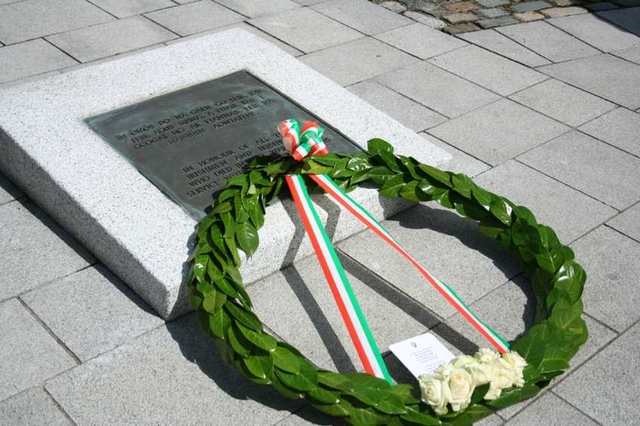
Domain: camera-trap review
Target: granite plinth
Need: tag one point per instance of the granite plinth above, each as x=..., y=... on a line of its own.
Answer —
x=48, y=150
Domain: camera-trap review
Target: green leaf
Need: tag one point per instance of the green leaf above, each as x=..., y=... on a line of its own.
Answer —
x=511, y=396
x=240, y=211
x=499, y=210
x=364, y=380
x=482, y=196
x=550, y=261
x=376, y=146
x=285, y=360
x=525, y=215
x=200, y=267
x=438, y=175
x=413, y=415
x=408, y=192
x=257, y=216
x=392, y=187
x=379, y=175
x=335, y=410
x=220, y=282
x=335, y=380
x=195, y=299
x=213, y=301
x=406, y=392
x=222, y=207
x=283, y=390
x=219, y=323
x=356, y=164
x=323, y=396
x=299, y=382
x=479, y=393
x=365, y=417
x=261, y=366
x=462, y=185
x=390, y=161
x=256, y=178
x=247, y=238
x=245, y=317
x=390, y=404
x=260, y=339
x=233, y=251
x=238, y=342
x=227, y=194
x=238, y=180
x=229, y=225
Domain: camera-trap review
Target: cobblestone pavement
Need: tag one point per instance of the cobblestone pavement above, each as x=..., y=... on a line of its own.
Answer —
x=455, y=17
x=545, y=113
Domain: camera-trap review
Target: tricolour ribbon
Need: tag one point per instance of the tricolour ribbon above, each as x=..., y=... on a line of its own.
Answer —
x=306, y=142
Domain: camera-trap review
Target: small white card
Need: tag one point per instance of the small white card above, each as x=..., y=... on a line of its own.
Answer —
x=422, y=354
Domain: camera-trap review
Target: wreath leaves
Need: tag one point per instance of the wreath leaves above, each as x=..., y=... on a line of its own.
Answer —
x=225, y=311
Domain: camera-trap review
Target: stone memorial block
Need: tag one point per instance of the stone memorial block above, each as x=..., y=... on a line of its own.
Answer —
x=126, y=154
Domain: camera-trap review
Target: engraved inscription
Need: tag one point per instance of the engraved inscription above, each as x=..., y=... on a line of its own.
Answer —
x=189, y=142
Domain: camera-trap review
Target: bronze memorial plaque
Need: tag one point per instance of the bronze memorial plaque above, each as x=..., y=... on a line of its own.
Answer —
x=189, y=142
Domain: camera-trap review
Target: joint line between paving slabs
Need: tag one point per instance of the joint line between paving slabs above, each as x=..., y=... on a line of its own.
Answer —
x=576, y=38
x=60, y=407
x=620, y=232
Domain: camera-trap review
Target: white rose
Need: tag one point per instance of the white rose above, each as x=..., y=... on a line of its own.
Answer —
x=481, y=373
x=461, y=387
x=503, y=376
x=486, y=355
x=435, y=392
x=493, y=392
x=517, y=364
x=463, y=360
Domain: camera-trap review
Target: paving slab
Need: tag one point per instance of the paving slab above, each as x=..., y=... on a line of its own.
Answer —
x=611, y=261
x=8, y=192
x=357, y=61
x=530, y=6
x=569, y=212
x=141, y=235
x=499, y=131
x=439, y=239
x=461, y=162
x=412, y=114
x=27, y=233
x=195, y=17
x=255, y=8
x=362, y=15
x=492, y=3
x=306, y=29
x=497, y=22
x=427, y=20
x=125, y=8
x=628, y=222
x=549, y=409
x=600, y=6
x=603, y=389
x=548, y=41
x=596, y=32
x=30, y=58
x=495, y=12
x=32, y=407
x=590, y=166
x=502, y=45
x=620, y=128
x=301, y=294
x=28, y=354
x=621, y=85
x=420, y=40
x=496, y=73
x=557, y=12
x=628, y=18
x=438, y=89
x=565, y=103
x=111, y=38
x=632, y=54
x=31, y=19
x=92, y=311
x=173, y=375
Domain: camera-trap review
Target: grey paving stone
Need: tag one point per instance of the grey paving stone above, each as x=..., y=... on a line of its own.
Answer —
x=590, y=166
x=362, y=15
x=30, y=58
x=497, y=22
x=92, y=311
x=315, y=326
x=308, y=2
x=36, y=18
x=499, y=131
x=619, y=127
x=243, y=25
x=438, y=89
x=393, y=6
x=124, y=8
x=632, y=54
x=496, y=73
x=548, y=41
x=32, y=408
x=628, y=222
x=621, y=85
x=610, y=259
x=628, y=18
x=495, y=12
x=570, y=213
x=8, y=192
x=461, y=162
x=195, y=17
x=597, y=32
x=557, y=12
x=564, y=103
x=306, y=29
x=111, y=38
x=600, y=6
x=307, y=416
x=492, y=3
x=420, y=40
x=255, y=8
x=549, y=409
x=34, y=250
x=171, y=376
x=410, y=113
x=427, y=20
x=357, y=61
x=492, y=420
x=605, y=388
x=498, y=43
x=28, y=354
x=439, y=239
x=530, y=5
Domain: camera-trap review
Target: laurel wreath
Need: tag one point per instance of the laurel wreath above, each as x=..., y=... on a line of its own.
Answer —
x=225, y=310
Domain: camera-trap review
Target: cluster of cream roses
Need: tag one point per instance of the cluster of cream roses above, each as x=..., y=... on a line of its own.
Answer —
x=455, y=382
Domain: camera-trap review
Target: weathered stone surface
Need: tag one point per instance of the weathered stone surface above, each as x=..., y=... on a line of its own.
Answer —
x=492, y=3
x=255, y=8
x=528, y=16
x=32, y=408
x=598, y=33
x=530, y=6
x=495, y=12
x=8, y=192
x=124, y=8
x=456, y=18
x=461, y=162
x=550, y=409
x=30, y=58
x=497, y=22
x=421, y=40
x=196, y=17
x=362, y=15
x=498, y=43
x=628, y=222
x=427, y=20
x=141, y=235
x=632, y=55
x=557, y=12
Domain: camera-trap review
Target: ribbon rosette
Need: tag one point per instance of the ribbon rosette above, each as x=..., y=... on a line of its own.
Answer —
x=307, y=141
